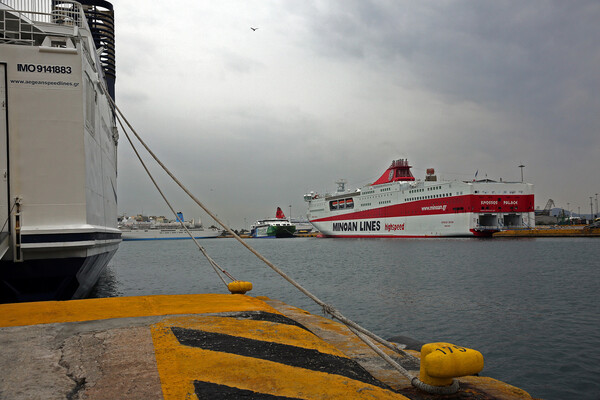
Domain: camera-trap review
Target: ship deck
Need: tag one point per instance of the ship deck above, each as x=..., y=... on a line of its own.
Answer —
x=205, y=346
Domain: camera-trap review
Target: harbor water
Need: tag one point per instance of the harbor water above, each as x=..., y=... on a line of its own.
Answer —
x=531, y=305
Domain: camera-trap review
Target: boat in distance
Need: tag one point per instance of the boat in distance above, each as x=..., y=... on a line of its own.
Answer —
x=58, y=148
x=278, y=227
x=150, y=228
x=398, y=205
x=168, y=234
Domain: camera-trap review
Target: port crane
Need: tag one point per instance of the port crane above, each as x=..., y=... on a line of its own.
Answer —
x=546, y=210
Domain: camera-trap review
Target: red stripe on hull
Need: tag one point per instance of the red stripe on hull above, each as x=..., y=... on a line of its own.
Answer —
x=444, y=205
x=393, y=237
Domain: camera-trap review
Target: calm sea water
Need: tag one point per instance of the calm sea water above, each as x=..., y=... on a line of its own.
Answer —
x=531, y=306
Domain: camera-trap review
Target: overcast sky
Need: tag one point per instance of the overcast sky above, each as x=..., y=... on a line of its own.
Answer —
x=322, y=90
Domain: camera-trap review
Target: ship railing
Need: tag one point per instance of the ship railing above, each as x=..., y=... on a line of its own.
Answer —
x=18, y=19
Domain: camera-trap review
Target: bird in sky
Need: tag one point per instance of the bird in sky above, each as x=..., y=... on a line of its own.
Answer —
x=254, y=29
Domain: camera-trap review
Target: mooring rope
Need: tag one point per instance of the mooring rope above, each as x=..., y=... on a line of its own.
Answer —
x=414, y=380
x=358, y=330
x=212, y=262
x=9, y=214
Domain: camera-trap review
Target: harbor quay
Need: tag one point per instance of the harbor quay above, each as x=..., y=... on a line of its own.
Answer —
x=205, y=346
x=551, y=231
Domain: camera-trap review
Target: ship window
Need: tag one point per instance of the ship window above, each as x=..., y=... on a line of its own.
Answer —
x=61, y=43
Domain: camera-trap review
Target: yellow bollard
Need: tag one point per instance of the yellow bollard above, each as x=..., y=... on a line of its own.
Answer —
x=440, y=362
x=239, y=287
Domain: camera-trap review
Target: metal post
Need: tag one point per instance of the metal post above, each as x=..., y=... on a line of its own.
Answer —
x=521, y=166
x=591, y=209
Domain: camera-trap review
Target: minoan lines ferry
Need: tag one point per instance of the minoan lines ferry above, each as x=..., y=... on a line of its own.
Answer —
x=398, y=205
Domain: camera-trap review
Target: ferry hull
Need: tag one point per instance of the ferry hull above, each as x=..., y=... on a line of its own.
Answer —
x=168, y=234
x=274, y=231
x=60, y=278
x=404, y=227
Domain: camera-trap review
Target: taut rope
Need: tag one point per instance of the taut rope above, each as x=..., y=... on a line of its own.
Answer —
x=362, y=333
x=212, y=262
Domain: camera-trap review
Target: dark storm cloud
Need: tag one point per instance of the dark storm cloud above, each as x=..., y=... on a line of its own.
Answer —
x=535, y=58
x=532, y=63
x=481, y=51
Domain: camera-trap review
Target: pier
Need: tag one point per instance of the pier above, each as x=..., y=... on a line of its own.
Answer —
x=552, y=231
x=207, y=345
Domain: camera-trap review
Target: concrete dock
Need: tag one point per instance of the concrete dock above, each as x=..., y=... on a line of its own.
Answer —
x=206, y=346
x=551, y=231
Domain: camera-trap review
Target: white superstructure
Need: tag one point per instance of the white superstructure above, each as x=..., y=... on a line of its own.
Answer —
x=168, y=233
x=397, y=205
x=58, y=152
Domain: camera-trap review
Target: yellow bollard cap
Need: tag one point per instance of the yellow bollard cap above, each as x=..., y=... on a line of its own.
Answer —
x=440, y=362
x=239, y=287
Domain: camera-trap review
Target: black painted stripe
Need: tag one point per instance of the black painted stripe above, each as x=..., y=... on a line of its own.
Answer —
x=268, y=317
x=69, y=237
x=276, y=352
x=213, y=391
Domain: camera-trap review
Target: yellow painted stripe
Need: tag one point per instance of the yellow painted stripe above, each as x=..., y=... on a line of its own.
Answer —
x=259, y=330
x=179, y=366
x=47, y=312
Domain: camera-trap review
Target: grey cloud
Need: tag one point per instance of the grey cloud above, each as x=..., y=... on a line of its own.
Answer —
x=328, y=89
